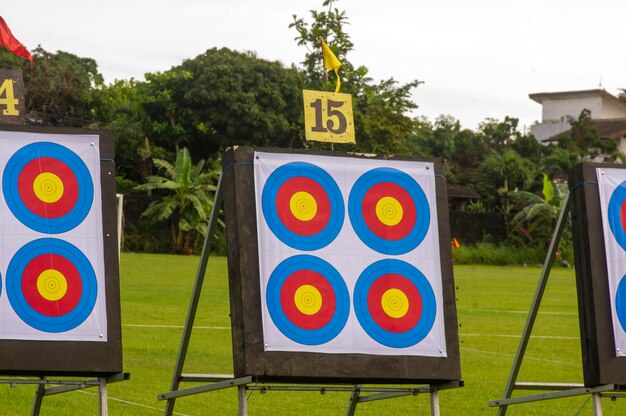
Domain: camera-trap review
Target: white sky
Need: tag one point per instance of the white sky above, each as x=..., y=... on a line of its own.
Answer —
x=478, y=58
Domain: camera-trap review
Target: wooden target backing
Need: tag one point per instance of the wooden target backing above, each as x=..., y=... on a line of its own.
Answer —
x=340, y=268
x=59, y=266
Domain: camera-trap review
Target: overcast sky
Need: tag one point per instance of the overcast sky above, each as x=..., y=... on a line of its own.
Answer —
x=477, y=58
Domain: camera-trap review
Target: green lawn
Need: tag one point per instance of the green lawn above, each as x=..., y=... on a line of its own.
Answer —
x=492, y=307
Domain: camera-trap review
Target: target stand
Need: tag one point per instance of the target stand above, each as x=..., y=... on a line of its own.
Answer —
x=595, y=215
x=294, y=315
x=65, y=386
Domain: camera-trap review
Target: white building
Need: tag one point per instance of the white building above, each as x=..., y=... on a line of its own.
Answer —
x=608, y=114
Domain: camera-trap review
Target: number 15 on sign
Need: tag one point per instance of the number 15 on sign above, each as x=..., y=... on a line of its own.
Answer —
x=328, y=117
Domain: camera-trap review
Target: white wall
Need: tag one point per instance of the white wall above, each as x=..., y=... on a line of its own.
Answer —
x=612, y=110
x=545, y=130
x=554, y=110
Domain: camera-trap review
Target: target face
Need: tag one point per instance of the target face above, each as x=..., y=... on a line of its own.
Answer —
x=389, y=211
x=394, y=303
x=47, y=187
x=303, y=206
x=51, y=285
x=307, y=300
x=617, y=214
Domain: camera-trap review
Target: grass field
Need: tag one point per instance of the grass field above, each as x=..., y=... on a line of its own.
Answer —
x=492, y=306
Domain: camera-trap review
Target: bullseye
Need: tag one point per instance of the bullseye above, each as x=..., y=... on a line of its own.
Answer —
x=47, y=187
x=51, y=285
x=394, y=303
x=389, y=211
x=617, y=214
x=307, y=300
x=302, y=206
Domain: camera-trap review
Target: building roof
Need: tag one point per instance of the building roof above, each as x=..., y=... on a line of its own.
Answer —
x=612, y=128
x=563, y=95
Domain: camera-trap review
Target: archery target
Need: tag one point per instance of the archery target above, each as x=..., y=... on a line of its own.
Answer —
x=612, y=192
x=336, y=297
x=389, y=211
x=303, y=206
x=307, y=300
x=51, y=285
x=47, y=187
x=394, y=303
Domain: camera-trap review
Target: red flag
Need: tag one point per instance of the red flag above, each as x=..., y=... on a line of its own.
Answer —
x=13, y=45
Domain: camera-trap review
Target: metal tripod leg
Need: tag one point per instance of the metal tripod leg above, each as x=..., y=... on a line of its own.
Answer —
x=195, y=297
x=534, y=308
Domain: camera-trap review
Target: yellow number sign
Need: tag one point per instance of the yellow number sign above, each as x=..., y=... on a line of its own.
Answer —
x=7, y=99
x=12, y=102
x=328, y=117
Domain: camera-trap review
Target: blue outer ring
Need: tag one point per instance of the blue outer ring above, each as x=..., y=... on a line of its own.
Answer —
x=270, y=191
x=33, y=221
x=282, y=322
x=620, y=303
x=429, y=304
x=615, y=205
x=14, y=285
x=355, y=203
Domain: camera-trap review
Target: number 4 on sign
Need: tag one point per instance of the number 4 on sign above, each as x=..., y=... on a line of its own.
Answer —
x=7, y=98
x=328, y=117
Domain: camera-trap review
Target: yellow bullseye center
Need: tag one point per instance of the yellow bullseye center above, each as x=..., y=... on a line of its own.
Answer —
x=395, y=303
x=389, y=211
x=51, y=285
x=303, y=206
x=48, y=187
x=308, y=299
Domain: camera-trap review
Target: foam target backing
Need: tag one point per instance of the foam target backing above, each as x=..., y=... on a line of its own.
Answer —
x=374, y=224
x=56, y=283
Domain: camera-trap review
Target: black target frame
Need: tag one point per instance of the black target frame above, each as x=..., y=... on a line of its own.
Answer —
x=600, y=364
x=249, y=356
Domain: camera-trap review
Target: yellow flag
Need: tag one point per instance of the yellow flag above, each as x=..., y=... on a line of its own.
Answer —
x=331, y=62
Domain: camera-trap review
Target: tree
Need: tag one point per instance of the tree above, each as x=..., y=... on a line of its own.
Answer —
x=60, y=88
x=224, y=98
x=120, y=109
x=504, y=172
x=183, y=202
x=381, y=111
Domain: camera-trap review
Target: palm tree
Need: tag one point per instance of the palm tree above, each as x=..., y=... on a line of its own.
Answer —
x=183, y=201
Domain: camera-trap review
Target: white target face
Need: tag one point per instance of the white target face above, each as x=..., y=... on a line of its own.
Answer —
x=612, y=191
x=51, y=258
x=349, y=255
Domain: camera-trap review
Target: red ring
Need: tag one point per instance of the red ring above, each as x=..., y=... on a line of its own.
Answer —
x=388, y=323
x=70, y=187
x=409, y=214
x=283, y=198
x=299, y=319
x=29, y=285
